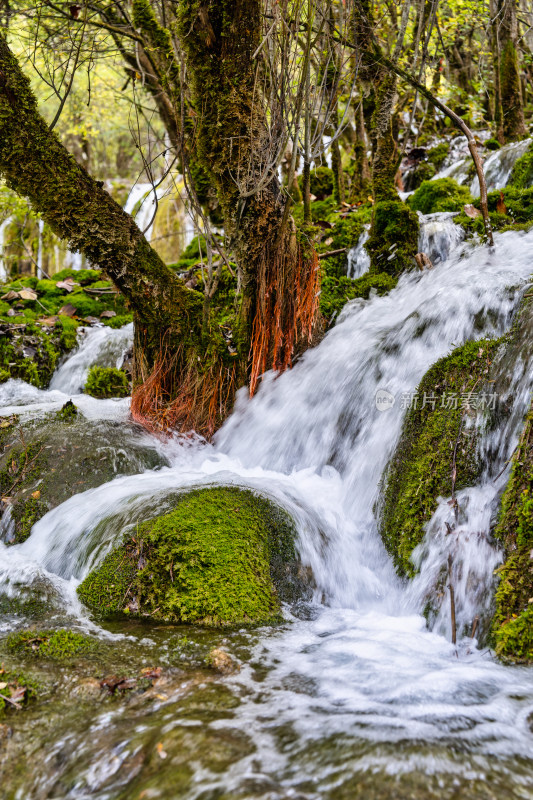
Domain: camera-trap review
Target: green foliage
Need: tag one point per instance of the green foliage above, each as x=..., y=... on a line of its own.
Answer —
x=56, y=645
x=512, y=629
x=518, y=206
x=107, y=382
x=442, y=194
x=421, y=468
x=209, y=561
x=522, y=173
x=393, y=241
x=68, y=412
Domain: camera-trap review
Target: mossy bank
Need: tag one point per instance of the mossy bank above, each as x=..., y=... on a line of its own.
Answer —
x=222, y=556
x=437, y=452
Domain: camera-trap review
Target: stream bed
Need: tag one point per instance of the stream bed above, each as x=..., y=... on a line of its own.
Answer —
x=352, y=696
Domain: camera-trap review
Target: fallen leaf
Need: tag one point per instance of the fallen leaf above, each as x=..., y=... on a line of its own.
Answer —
x=160, y=750
x=471, y=211
x=49, y=322
x=11, y=312
x=151, y=672
x=11, y=295
x=17, y=695
x=36, y=495
x=3, y=685
x=501, y=208
x=108, y=314
x=323, y=223
x=68, y=310
x=65, y=285
x=28, y=294
x=91, y=320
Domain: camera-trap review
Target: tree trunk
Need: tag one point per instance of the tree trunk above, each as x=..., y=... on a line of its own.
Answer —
x=507, y=75
x=179, y=385
x=279, y=277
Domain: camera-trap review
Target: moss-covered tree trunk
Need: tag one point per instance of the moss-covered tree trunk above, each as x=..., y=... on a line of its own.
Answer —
x=278, y=278
x=393, y=239
x=182, y=374
x=509, y=111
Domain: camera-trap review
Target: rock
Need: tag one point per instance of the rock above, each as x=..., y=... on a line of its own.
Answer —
x=221, y=556
x=88, y=689
x=222, y=662
x=62, y=455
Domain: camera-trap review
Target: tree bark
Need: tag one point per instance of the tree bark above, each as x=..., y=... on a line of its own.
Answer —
x=509, y=109
x=187, y=384
x=278, y=277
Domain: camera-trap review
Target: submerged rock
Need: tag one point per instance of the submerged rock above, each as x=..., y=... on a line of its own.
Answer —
x=44, y=462
x=222, y=556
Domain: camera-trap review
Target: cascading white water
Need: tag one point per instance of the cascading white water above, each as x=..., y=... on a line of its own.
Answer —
x=439, y=236
x=143, y=200
x=102, y=346
x=358, y=258
x=3, y=267
x=499, y=165
x=362, y=664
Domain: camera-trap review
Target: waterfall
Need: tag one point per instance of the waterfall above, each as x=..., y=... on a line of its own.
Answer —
x=3, y=264
x=142, y=204
x=439, y=235
x=354, y=676
x=358, y=258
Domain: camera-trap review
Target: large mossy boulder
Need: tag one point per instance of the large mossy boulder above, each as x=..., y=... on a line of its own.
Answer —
x=438, y=439
x=45, y=461
x=512, y=629
x=442, y=194
x=222, y=556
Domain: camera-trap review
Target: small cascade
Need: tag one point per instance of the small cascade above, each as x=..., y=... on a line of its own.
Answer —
x=142, y=204
x=439, y=235
x=358, y=258
x=40, y=226
x=3, y=264
x=499, y=165
x=100, y=345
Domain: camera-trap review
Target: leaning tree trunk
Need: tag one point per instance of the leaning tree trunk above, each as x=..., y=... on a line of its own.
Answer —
x=179, y=384
x=278, y=273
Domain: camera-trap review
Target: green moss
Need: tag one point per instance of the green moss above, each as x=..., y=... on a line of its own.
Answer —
x=421, y=468
x=437, y=155
x=57, y=645
x=442, y=194
x=513, y=620
x=68, y=412
x=518, y=211
x=15, y=681
x=321, y=180
x=522, y=173
x=336, y=292
x=492, y=144
x=393, y=241
x=107, y=382
x=212, y=561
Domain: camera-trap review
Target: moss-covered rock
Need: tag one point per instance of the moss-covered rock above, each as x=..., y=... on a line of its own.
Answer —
x=57, y=645
x=321, y=182
x=107, y=382
x=44, y=462
x=222, y=556
x=393, y=241
x=513, y=620
x=336, y=292
x=442, y=194
x=17, y=687
x=492, y=144
x=438, y=437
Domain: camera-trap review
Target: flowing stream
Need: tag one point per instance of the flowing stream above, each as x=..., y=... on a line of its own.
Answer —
x=353, y=697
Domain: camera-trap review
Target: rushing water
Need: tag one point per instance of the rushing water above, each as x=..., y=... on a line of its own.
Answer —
x=353, y=697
